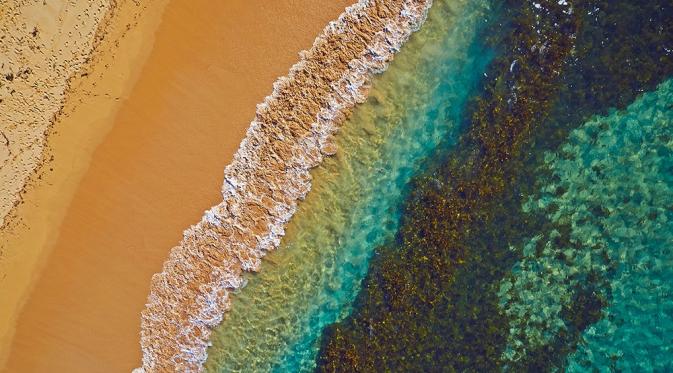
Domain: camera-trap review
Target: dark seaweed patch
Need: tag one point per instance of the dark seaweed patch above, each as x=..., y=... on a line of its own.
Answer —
x=429, y=301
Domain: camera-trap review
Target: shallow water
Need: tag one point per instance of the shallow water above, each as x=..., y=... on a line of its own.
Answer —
x=475, y=282
x=615, y=172
x=541, y=242
x=275, y=322
x=635, y=153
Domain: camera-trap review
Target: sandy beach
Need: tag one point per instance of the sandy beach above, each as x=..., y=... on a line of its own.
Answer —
x=106, y=222
x=71, y=106
x=293, y=131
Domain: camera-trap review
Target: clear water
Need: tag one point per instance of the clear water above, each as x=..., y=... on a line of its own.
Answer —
x=276, y=321
x=616, y=177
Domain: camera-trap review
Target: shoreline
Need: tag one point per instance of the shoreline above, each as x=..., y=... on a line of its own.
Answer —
x=155, y=171
x=311, y=280
x=85, y=116
x=267, y=179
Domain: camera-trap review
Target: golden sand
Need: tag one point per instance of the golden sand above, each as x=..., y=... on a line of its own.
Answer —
x=43, y=45
x=292, y=132
x=95, y=92
x=154, y=174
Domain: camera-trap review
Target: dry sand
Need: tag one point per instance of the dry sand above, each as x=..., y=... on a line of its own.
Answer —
x=42, y=45
x=54, y=54
x=159, y=167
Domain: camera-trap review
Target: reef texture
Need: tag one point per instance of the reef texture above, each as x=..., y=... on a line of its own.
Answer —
x=611, y=184
x=426, y=302
x=291, y=133
x=42, y=46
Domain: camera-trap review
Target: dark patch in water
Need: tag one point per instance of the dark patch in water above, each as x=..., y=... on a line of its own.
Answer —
x=429, y=301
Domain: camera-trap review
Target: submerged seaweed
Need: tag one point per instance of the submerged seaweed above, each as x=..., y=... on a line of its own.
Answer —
x=434, y=299
x=427, y=301
x=275, y=323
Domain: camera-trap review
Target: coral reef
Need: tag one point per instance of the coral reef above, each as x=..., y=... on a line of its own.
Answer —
x=291, y=133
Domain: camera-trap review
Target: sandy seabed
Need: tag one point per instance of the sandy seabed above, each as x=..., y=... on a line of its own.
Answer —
x=137, y=156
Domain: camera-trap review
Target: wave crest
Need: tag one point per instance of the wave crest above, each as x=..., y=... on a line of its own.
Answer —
x=292, y=131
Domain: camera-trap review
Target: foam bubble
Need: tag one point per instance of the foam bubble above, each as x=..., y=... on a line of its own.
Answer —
x=291, y=133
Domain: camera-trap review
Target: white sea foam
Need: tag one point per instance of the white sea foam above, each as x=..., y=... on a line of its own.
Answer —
x=291, y=133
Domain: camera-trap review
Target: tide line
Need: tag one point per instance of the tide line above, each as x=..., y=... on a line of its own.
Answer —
x=292, y=131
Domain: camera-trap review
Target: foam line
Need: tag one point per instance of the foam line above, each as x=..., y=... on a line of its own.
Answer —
x=292, y=131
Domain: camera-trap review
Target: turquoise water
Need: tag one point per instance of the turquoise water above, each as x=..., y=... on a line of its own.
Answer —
x=635, y=154
x=276, y=321
x=576, y=276
x=612, y=185
x=448, y=77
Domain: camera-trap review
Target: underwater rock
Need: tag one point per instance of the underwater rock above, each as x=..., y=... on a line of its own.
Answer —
x=612, y=185
x=426, y=303
x=430, y=299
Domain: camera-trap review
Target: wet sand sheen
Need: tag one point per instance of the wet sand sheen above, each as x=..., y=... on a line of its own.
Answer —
x=154, y=175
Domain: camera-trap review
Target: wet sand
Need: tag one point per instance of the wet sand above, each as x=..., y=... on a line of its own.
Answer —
x=293, y=131
x=154, y=174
